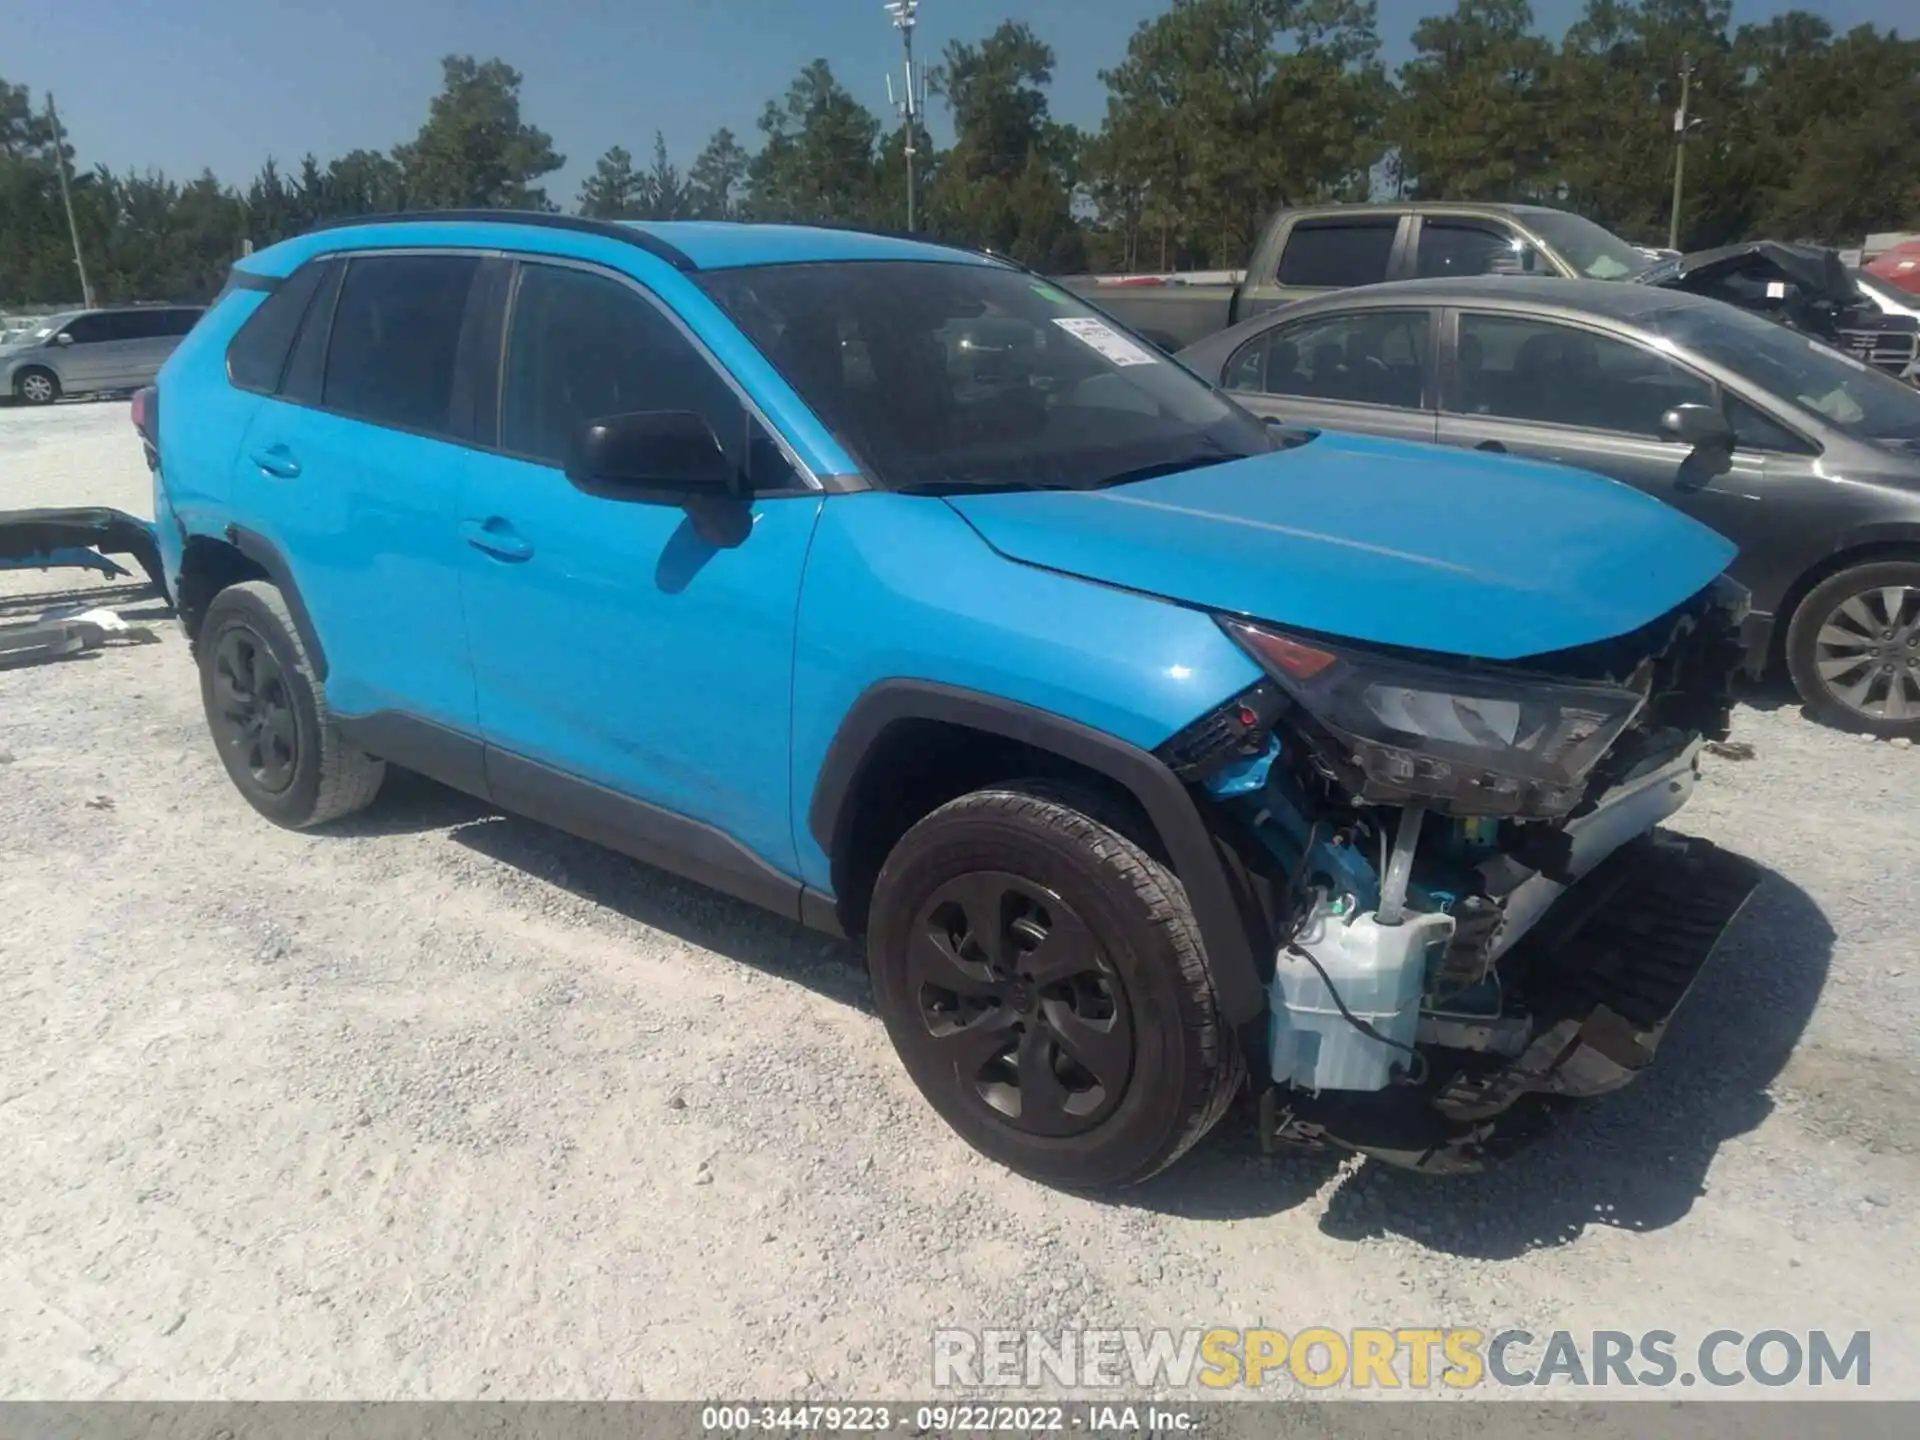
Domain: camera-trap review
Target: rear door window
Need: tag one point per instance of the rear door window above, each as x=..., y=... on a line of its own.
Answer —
x=395, y=336
x=306, y=366
x=124, y=324
x=1336, y=254
x=1364, y=357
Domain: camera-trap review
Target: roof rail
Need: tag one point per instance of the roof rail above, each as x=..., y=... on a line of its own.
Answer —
x=854, y=227
x=580, y=224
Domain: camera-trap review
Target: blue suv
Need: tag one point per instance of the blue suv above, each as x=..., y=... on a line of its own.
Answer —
x=892, y=588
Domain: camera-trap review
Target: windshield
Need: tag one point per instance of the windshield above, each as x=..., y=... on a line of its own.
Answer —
x=1593, y=250
x=1851, y=395
x=937, y=375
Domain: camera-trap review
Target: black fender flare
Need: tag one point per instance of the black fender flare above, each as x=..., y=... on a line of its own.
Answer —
x=1224, y=929
x=264, y=553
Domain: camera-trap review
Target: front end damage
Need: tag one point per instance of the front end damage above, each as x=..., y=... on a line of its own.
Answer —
x=1474, y=910
x=1804, y=287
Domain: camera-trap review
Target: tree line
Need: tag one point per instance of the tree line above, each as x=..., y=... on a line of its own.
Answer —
x=1219, y=111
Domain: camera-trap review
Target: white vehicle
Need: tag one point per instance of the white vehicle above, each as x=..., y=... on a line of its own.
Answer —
x=114, y=348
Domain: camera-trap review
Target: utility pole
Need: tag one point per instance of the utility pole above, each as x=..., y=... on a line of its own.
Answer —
x=913, y=100
x=66, y=199
x=1680, y=125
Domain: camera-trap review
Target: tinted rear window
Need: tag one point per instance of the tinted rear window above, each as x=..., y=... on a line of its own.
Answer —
x=1338, y=253
x=258, y=353
x=396, y=331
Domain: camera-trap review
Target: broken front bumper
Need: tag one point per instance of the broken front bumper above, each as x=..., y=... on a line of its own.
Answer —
x=1600, y=973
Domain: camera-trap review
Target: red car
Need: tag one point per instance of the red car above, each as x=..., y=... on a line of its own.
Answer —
x=1900, y=266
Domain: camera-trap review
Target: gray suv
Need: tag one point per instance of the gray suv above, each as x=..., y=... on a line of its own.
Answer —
x=118, y=348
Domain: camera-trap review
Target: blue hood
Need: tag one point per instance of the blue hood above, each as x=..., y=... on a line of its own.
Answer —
x=1377, y=540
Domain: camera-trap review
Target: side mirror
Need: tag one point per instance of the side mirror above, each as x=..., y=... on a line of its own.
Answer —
x=1707, y=431
x=1700, y=426
x=671, y=456
x=63, y=338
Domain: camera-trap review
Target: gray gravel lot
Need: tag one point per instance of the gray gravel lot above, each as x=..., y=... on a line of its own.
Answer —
x=445, y=1104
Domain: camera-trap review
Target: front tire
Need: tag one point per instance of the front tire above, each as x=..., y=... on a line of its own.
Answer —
x=36, y=386
x=1042, y=979
x=267, y=712
x=1853, y=649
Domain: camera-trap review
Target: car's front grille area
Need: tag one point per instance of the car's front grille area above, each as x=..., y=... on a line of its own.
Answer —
x=1893, y=351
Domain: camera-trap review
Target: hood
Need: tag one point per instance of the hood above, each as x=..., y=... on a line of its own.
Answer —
x=1378, y=541
x=1742, y=273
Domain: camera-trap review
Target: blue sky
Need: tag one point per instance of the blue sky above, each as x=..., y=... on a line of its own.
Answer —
x=181, y=84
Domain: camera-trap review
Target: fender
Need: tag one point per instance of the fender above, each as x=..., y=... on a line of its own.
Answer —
x=1224, y=930
x=264, y=553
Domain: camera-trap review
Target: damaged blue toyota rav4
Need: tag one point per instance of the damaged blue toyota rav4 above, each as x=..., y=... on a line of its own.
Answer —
x=889, y=587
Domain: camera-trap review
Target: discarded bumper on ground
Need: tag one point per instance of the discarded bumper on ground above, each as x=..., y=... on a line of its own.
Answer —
x=81, y=537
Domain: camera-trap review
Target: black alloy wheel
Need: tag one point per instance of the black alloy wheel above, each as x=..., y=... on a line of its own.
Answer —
x=1014, y=994
x=267, y=712
x=1041, y=975
x=253, y=717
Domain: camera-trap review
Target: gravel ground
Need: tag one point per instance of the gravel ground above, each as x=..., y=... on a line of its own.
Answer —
x=445, y=1104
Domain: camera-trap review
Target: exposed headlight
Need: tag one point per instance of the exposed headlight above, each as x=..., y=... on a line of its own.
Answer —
x=1468, y=743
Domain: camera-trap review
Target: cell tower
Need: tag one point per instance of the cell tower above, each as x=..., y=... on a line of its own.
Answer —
x=913, y=99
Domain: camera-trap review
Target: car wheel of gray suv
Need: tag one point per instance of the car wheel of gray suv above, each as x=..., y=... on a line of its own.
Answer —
x=36, y=386
x=268, y=714
x=1854, y=649
x=1041, y=976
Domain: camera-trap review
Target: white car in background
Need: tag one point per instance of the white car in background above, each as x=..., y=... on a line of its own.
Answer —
x=111, y=348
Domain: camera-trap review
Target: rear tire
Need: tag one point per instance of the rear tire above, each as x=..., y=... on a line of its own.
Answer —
x=1853, y=649
x=36, y=386
x=1042, y=979
x=267, y=712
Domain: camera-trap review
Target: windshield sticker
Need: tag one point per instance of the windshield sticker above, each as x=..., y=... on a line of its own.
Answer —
x=1108, y=341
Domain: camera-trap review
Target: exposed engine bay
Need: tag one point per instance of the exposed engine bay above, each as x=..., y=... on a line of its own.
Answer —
x=1471, y=903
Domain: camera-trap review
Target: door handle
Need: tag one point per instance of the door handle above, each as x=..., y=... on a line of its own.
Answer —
x=277, y=460
x=495, y=535
x=1492, y=445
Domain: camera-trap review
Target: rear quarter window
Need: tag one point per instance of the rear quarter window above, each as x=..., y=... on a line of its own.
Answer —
x=258, y=353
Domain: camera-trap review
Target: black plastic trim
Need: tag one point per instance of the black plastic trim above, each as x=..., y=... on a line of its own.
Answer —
x=434, y=750
x=606, y=229
x=633, y=827
x=238, y=279
x=1224, y=926
x=670, y=842
x=264, y=553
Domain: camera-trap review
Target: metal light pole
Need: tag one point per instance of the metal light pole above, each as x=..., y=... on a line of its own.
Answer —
x=1680, y=125
x=66, y=199
x=912, y=101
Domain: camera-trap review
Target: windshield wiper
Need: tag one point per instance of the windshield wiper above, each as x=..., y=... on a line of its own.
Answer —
x=1164, y=467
